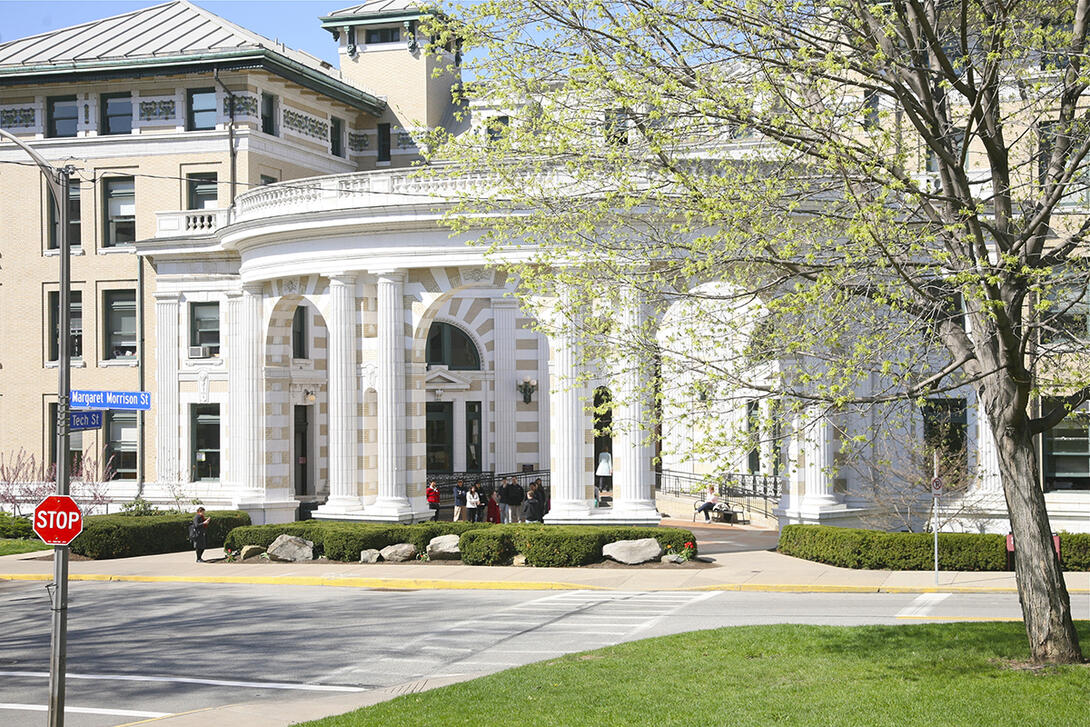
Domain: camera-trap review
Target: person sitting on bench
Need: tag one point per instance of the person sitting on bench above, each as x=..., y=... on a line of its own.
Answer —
x=709, y=504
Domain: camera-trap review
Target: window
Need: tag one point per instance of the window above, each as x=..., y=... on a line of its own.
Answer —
x=75, y=444
x=383, y=35
x=75, y=325
x=204, y=326
x=383, y=142
x=200, y=109
x=753, y=434
x=73, y=219
x=1067, y=317
x=205, y=451
x=119, y=197
x=473, y=436
x=957, y=141
x=119, y=325
x=870, y=109
x=299, y=333
x=120, y=453
x=61, y=113
x=451, y=347
x=497, y=125
x=202, y=192
x=116, y=113
x=266, y=179
x=1077, y=193
x=1066, y=450
x=268, y=113
x=336, y=136
x=944, y=436
x=616, y=127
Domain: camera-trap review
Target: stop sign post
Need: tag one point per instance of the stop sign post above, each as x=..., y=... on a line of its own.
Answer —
x=58, y=520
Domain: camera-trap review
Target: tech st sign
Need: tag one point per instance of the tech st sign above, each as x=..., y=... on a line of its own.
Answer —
x=58, y=520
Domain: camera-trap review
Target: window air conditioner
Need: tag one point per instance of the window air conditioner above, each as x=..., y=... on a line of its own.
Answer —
x=200, y=351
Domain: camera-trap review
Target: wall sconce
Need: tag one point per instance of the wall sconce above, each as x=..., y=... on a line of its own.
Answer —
x=309, y=396
x=527, y=387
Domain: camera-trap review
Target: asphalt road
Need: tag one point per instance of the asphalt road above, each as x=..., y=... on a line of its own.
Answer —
x=140, y=650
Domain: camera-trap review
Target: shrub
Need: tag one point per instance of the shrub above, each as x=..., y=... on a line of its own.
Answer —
x=13, y=526
x=491, y=546
x=125, y=536
x=1075, y=549
x=878, y=550
x=264, y=535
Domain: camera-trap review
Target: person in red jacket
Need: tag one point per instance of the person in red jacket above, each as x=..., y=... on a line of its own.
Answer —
x=494, y=508
x=432, y=493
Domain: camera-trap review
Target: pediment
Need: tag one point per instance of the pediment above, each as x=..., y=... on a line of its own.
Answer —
x=440, y=377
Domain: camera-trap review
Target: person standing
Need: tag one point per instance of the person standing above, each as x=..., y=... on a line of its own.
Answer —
x=494, y=508
x=198, y=533
x=501, y=501
x=459, y=501
x=534, y=507
x=432, y=493
x=515, y=498
x=473, y=504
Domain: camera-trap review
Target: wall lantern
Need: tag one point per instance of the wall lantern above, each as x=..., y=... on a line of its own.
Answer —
x=308, y=396
x=527, y=387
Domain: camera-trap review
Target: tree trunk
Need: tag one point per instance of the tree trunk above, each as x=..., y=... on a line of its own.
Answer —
x=1046, y=607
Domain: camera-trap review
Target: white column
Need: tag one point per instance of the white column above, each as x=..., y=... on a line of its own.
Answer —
x=987, y=456
x=568, y=477
x=251, y=438
x=235, y=350
x=817, y=444
x=167, y=424
x=344, y=494
x=392, y=502
x=633, y=481
x=503, y=318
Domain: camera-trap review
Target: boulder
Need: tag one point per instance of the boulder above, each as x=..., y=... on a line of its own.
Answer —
x=291, y=549
x=672, y=558
x=398, y=553
x=250, y=551
x=370, y=556
x=444, y=547
x=632, y=552
x=519, y=559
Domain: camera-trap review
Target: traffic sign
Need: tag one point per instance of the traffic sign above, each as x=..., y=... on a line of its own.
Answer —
x=936, y=487
x=127, y=400
x=58, y=520
x=80, y=420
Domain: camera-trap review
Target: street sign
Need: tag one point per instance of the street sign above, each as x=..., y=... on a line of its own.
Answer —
x=127, y=400
x=80, y=420
x=936, y=487
x=58, y=520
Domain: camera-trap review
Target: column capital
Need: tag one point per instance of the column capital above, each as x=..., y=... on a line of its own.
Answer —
x=167, y=296
x=344, y=278
x=253, y=287
x=393, y=275
x=505, y=303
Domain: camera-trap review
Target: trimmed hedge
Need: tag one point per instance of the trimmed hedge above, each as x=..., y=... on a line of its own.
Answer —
x=15, y=527
x=877, y=550
x=125, y=536
x=480, y=543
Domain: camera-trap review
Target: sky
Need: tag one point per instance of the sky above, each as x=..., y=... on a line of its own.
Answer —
x=293, y=22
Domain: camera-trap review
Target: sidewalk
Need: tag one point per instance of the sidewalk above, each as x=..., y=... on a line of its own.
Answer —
x=742, y=557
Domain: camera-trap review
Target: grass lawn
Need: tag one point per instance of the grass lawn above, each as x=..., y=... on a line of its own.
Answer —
x=11, y=546
x=935, y=674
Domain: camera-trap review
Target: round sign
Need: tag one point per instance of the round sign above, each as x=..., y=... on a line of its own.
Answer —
x=936, y=487
x=58, y=520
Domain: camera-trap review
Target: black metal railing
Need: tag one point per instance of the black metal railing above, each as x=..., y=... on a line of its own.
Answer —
x=485, y=481
x=755, y=493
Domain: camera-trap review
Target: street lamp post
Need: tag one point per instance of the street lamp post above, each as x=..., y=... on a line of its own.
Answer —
x=58, y=180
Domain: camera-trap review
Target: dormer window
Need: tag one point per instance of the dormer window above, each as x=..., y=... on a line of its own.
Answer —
x=383, y=35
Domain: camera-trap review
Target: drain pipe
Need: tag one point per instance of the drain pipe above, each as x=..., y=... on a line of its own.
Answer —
x=230, y=134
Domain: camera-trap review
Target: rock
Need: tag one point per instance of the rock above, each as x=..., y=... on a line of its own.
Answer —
x=519, y=559
x=633, y=552
x=291, y=549
x=672, y=558
x=444, y=547
x=370, y=556
x=250, y=551
x=398, y=553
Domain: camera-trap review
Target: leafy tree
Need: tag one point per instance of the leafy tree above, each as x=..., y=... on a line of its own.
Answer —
x=831, y=204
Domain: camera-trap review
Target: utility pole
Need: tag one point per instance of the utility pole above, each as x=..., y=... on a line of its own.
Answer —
x=58, y=182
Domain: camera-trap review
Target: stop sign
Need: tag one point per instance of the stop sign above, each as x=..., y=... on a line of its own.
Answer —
x=58, y=520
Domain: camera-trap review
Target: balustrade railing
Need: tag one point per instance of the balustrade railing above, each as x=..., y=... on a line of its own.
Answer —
x=754, y=492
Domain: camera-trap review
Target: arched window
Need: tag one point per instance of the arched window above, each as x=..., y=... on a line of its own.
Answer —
x=450, y=346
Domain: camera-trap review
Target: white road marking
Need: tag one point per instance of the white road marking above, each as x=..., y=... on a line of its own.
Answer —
x=190, y=680
x=692, y=599
x=922, y=605
x=86, y=710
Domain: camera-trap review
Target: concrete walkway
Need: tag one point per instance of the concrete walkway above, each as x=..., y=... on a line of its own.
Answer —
x=741, y=556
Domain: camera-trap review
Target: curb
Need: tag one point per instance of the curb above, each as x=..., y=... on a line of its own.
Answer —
x=421, y=584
